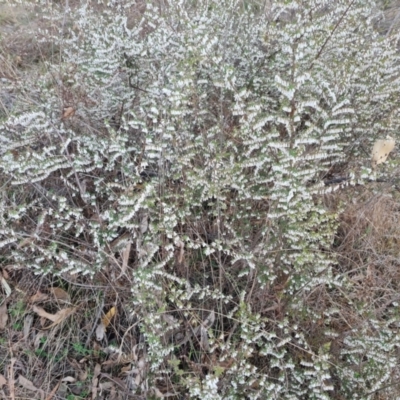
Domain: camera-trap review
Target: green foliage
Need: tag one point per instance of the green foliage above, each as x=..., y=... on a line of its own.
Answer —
x=80, y=349
x=18, y=309
x=205, y=131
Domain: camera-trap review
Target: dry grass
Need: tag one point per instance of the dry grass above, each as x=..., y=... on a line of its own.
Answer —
x=67, y=353
x=391, y=11
x=368, y=243
x=19, y=48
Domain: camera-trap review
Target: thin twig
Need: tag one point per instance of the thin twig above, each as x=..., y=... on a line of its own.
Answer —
x=331, y=35
x=98, y=315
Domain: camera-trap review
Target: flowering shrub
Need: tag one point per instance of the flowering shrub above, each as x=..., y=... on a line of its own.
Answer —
x=190, y=142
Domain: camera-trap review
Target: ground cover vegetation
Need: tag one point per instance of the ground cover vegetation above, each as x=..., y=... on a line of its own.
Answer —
x=188, y=207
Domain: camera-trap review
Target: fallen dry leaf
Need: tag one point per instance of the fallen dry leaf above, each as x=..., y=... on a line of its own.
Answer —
x=125, y=257
x=108, y=317
x=381, y=150
x=126, y=369
x=27, y=326
x=3, y=315
x=105, y=386
x=168, y=394
x=44, y=314
x=27, y=384
x=157, y=393
x=25, y=242
x=6, y=286
x=3, y=381
x=62, y=315
x=102, y=326
x=68, y=112
x=100, y=331
x=53, y=392
x=83, y=375
x=95, y=380
x=113, y=393
x=116, y=380
x=69, y=379
x=181, y=247
x=38, y=297
x=56, y=318
x=60, y=294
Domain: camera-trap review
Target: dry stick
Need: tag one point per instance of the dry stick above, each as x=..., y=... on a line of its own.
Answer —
x=117, y=382
x=95, y=380
x=11, y=380
x=382, y=388
x=333, y=31
x=125, y=334
x=82, y=189
x=98, y=315
x=54, y=391
x=393, y=24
